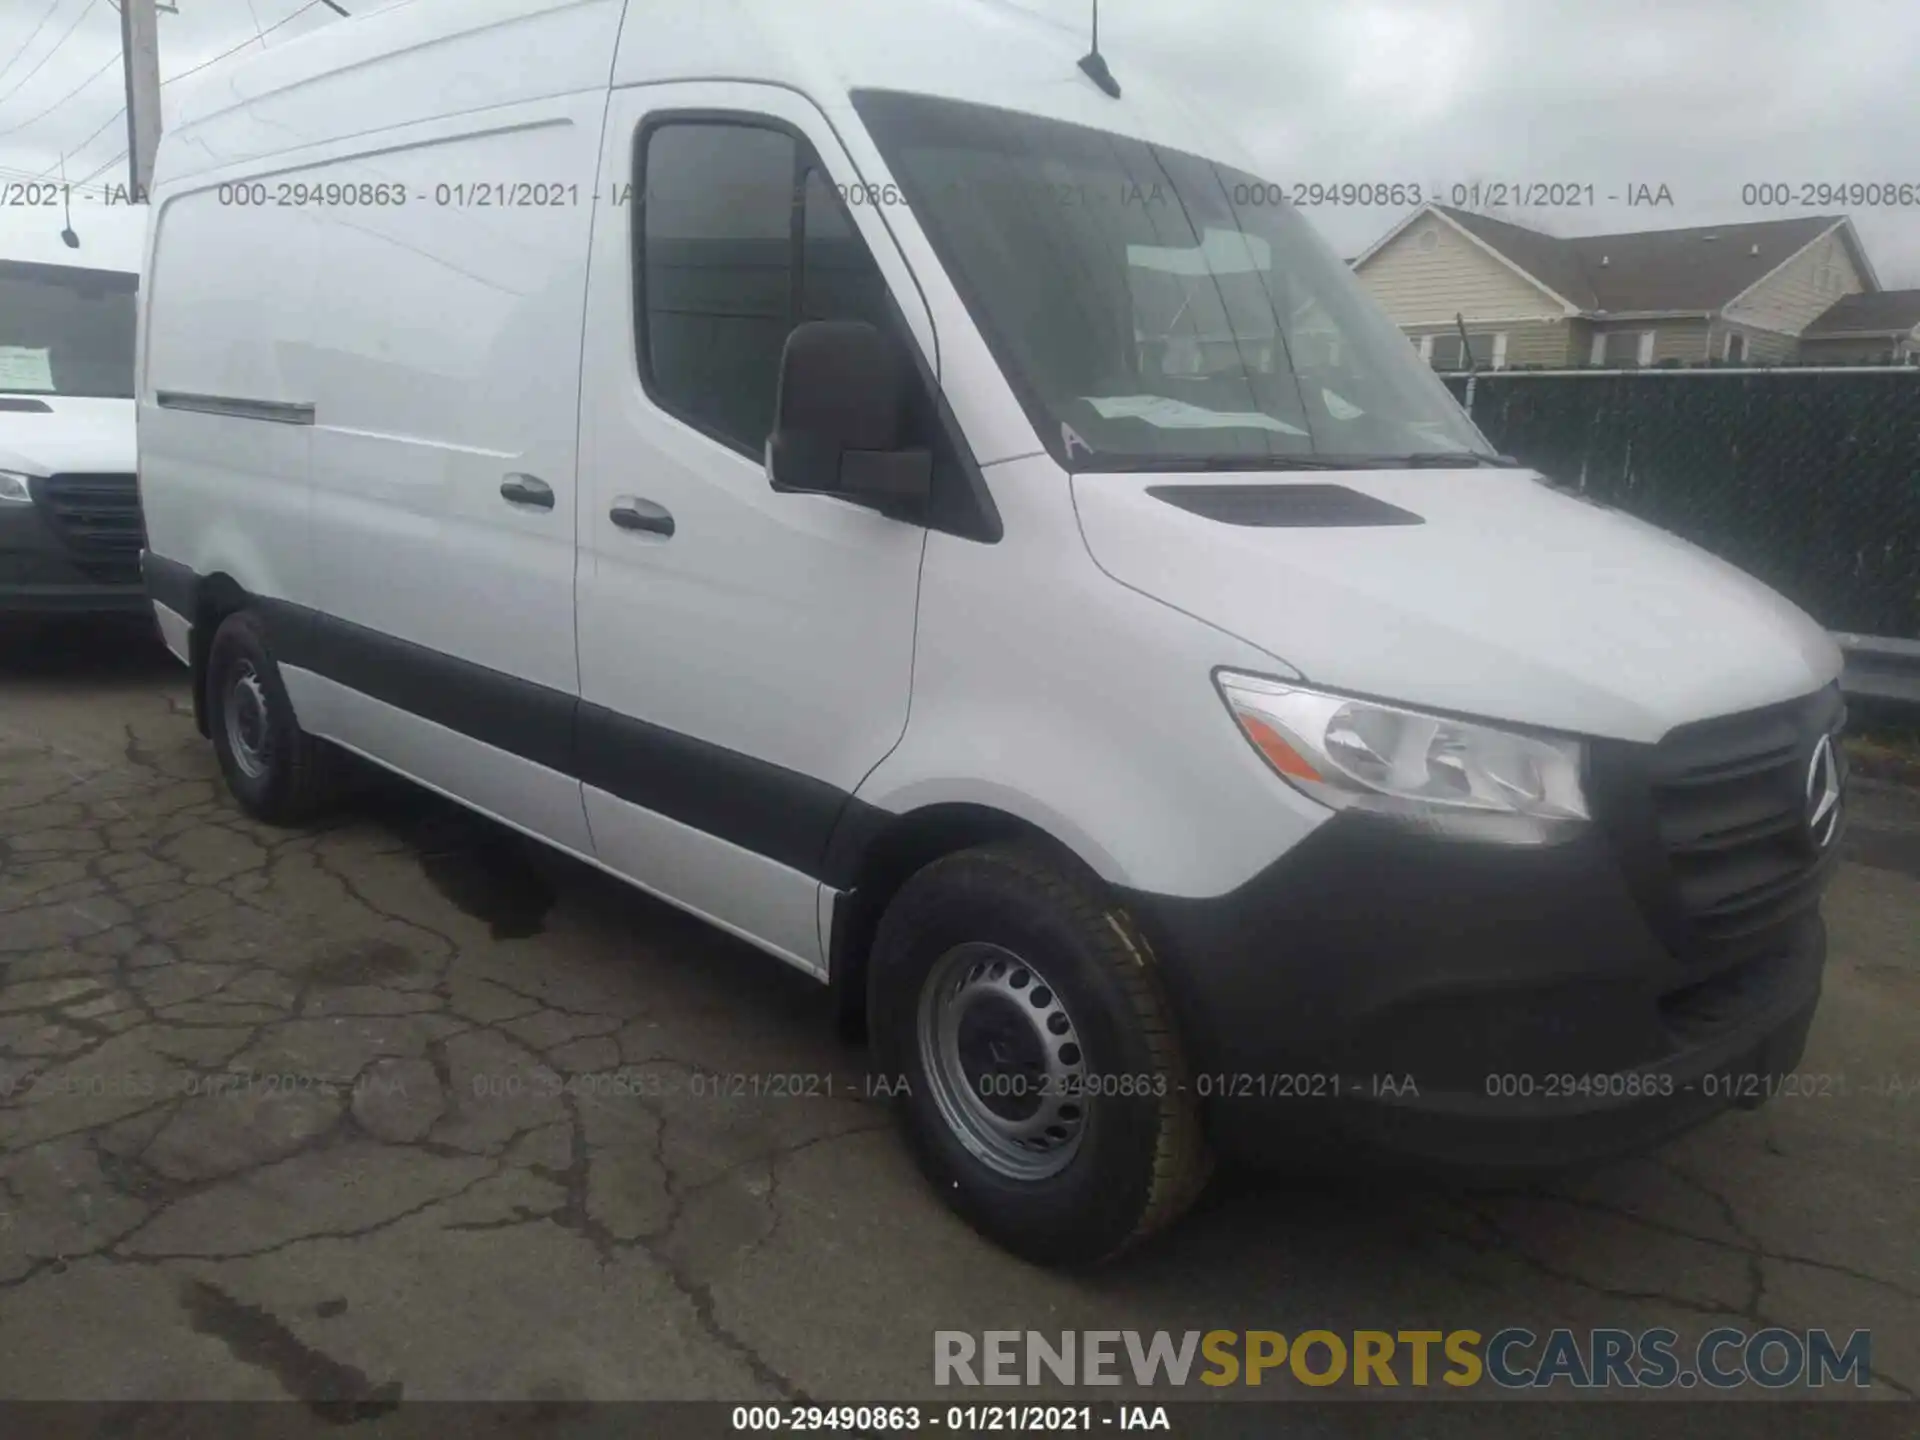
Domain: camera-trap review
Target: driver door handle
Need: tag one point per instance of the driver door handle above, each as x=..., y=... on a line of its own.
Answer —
x=528, y=490
x=632, y=513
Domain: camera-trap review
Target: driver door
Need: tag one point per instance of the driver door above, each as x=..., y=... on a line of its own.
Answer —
x=745, y=655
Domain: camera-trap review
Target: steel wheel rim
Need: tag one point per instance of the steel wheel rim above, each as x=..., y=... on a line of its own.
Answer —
x=1004, y=1061
x=249, y=735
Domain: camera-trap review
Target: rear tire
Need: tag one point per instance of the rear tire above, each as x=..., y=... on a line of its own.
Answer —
x=1047, y=1097
x=278, y=772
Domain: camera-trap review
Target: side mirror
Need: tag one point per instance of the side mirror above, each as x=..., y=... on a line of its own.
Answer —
x=840, y=417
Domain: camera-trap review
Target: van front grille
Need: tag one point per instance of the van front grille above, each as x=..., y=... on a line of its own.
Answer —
x=1711, y=828
x=1731, y=811
x=97, y=518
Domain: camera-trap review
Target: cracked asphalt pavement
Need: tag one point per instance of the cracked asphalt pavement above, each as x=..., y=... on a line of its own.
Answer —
x=397, y=1108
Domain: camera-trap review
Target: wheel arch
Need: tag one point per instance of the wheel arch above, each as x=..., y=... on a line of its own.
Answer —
x=880, y=853
x=215, y=597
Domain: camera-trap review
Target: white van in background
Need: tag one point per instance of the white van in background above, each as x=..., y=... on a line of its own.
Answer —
x=842, y=469
x=69, y=508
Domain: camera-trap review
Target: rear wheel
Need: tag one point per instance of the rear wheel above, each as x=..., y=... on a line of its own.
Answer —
x=1046, y=1095
x=278, y=772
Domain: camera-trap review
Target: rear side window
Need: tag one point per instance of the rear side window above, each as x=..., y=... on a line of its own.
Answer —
x=741, y=237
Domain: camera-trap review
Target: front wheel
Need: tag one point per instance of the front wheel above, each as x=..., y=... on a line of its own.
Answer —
x=1046, y=1094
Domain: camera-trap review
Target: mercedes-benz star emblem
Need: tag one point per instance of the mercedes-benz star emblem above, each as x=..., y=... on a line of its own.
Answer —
x=1823, y=795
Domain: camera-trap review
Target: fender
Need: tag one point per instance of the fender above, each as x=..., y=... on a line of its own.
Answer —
x=1120, y=735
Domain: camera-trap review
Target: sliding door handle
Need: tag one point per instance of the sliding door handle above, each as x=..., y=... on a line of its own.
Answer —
x=631, y=513
x=527, y=490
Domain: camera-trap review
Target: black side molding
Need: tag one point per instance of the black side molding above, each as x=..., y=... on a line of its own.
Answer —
x=1304, y=507
x=794, y=819
x=278, y=412
x=774, y=812
x=497, y=709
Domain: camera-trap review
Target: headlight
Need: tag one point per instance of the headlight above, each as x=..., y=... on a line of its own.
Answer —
x=13, y=489
x=1452, y=776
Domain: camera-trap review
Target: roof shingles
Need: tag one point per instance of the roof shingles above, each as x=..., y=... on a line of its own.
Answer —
x=1872, y=312
x=1698, y=269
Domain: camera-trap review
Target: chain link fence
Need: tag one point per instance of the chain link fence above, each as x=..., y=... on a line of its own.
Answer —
x=1808, y=478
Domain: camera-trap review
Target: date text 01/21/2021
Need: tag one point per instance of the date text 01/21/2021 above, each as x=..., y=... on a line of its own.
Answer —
x=645, y=1084
x=565, y=194
x=487, y=194
x=1318, y=1085
x=653, y=1084
x=1730, y=1085
x=956, y=1419
x=639, y=1083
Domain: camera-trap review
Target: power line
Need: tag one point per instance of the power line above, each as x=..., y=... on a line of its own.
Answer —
x=21, y=53
x=77, y=187
x=20, y=84
x=10, y=172
x=111, y=61
x=86, y=142
x=259, y=38
x=104, y=168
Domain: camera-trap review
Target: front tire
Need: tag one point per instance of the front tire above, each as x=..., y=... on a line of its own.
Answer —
x=278, y=772
x=1047, y=1096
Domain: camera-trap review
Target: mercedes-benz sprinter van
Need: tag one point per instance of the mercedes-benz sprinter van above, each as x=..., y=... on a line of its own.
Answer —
x=841, y=469
x=69, y=512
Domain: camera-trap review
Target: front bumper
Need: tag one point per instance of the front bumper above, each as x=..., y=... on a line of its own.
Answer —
x=42, y=573
x=1383, y=991
x=79, y=598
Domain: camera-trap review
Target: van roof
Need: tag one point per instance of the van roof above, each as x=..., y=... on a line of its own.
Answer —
x=112, y=237
x=413, y=60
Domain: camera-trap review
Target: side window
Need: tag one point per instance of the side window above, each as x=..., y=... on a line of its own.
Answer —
x=743, y=236
x=716, y=268
x=838, y=279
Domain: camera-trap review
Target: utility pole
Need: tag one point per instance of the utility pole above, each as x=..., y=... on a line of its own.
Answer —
x=140, y=55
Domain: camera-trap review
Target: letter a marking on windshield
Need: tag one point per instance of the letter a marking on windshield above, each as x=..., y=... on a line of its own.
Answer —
x=1070, y=438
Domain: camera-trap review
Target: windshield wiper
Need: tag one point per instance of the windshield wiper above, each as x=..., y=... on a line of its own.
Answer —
x=1421, y=460
x=1224, y=462
x=1445, y=460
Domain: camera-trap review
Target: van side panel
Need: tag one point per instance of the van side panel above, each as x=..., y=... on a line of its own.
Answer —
x=445, y=338
x=403, y=210
x=407, y=64
x=446, y=344
x=225, y=493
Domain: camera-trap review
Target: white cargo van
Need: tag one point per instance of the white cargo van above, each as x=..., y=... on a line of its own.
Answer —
x=69, y=509
x=839, y=468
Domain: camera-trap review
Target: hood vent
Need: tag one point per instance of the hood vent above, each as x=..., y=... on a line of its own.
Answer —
x=1297, y=507
x=14, y=404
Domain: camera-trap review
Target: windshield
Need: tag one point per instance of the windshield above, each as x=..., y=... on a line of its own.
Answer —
x=66, y=330
x=1152, y=308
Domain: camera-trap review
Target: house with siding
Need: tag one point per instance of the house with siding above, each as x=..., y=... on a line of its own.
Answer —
x=1734, y=293
x=1871, y=327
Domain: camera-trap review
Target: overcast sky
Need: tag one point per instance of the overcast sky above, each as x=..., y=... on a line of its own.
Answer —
x=1699, y=95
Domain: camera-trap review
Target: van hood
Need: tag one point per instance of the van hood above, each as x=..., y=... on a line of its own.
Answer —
x=1507, y=600
x=74, y=434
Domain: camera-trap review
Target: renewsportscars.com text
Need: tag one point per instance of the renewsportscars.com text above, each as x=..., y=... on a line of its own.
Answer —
x=1510, y=1358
